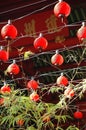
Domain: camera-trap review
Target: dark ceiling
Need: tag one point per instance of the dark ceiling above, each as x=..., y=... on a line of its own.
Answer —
x=12, y=9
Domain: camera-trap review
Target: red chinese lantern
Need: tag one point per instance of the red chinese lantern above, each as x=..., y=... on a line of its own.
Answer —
x=4, y=55
x=69, y=93
x=40, y=42
x=13, y=68
x=62, y=80
x=57, y=59
x=62, y=9
x=9, y=31
x=34, y=96
x=81, y=33
x=78, y=115
x=5, y=89
x=32, y=84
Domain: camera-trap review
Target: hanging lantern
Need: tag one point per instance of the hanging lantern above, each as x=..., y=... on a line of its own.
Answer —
x=57, y=59
x=81, y=33
x=34, y=96
x=4, y=56
x=9, y=31
x=62, y=80
x=69, y=93
x=13, y=68
x=40, y=42
x=32, y=84
x=62, y=9
x=78, y=115
x=5, y=89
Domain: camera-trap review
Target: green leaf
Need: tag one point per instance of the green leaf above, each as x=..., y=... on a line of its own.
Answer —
x=72, y=128
x=55, y=89
x=62, y=118
x=27, y=54
x=31, y=128
x=59, y=128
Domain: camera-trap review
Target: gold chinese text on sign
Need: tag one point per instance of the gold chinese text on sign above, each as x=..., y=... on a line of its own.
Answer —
x=51, y=24
x=30, y=28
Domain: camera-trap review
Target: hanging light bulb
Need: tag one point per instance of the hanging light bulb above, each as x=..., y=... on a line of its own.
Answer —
x=9, y=31
x=4, y=55
x=57, y=59
x=13, y=68
x=40, y=42
x=81, y=33
x=62, y=9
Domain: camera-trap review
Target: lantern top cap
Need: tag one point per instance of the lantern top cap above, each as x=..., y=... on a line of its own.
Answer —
x=40, y=35
x=14, y=61
x=83, y=23
x=1, y=47
x=62, y=74
x=9, y=21
x=5, y=83
x=32, y=78
x=60, y=0
x=57, y=51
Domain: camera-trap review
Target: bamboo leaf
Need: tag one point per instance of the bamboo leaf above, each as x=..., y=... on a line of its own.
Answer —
x=72, y=128
x=59, y=128
x=31, y=128
x=55, y=89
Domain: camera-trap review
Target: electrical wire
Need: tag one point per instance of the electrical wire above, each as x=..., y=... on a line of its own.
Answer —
x=56, y=74
x=21, y=7
x=45, y=32
x=35, y=11
x=18, y=59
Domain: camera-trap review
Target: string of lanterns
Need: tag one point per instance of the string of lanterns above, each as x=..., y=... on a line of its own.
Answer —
x=9, y=32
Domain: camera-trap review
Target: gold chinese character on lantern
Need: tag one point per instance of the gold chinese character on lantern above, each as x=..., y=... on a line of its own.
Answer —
x=30, y=28
x=51, y=24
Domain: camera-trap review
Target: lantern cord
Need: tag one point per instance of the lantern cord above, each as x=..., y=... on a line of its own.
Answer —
x=45, y=32
x=18, y=59
x=56, y=74
x=35, y=11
